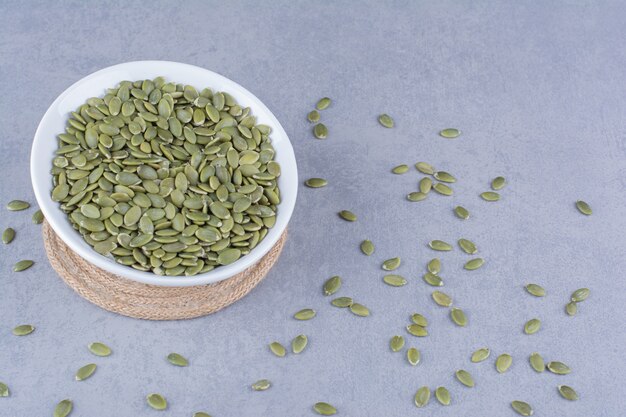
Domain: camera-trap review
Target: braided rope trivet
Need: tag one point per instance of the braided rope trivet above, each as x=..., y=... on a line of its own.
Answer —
x=151, y=302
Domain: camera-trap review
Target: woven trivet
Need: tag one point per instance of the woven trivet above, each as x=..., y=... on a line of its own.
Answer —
x=151, y=302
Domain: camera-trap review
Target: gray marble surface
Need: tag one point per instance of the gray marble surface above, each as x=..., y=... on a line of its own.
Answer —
x=536, y=87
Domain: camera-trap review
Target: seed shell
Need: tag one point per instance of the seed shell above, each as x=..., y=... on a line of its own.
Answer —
x=413, y=356
x=23, y=265
x=299, y=343
x=320, y=131
x=522, y=408
x=425, y=168
x=23, y=329
x=17, y=205
x=316, y=182
x=571, y=308
x=391, y=264
x=480, y=355
x=433, y=279
x=305, y=314
x=367, y=247
x=347, y=215
x=443, y=395
x=323, y=103
x=394, y=280
x=442, y=299
x=465, y=378
x=359, y=310
x=261, y=385
x=332, y=285
x=386, y=121
x=474, y=264
x=558, y=368
x=450, y=133
x=400, y=169
x=567, y=392
x=278, y=349
x=422, y=396
x=498, y=183
x=458, y=317
x=177, y=359
x=342, y=302
x=461, y=212
x=579, y=295
x=396, y=343
x=536, y=290
x=63, y=408
x=85, y=372
x=324, y=409
x=490, y=196
x=468, y=246
x=583, y=207
x=99, y=349
x=8, y=235
x=156, y=401
x=440, y=245
x=503, y=362
x=532, y=326
x=417, y=330
x=419, y=320
x=536, y=362
x=4, y=390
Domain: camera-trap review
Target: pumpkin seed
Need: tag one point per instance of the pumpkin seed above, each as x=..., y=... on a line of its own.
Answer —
x=278, y=349
x=567, y=392
x=316, y=182
x=432, y=279
x=425, y=185
x=200, y=414
x=442, y=299
x=480, y=355
x=38, y=217
x=320, y=131
x=464, y=378
x=396, y=343
x=444, y=176
x=304, y=314
x=532, y=326
x=313, y=116
x=4, y=390
x=23, y=265
x=583, y=207
x=536, y=290
x=63, y=408
x=342, y=302
x=416, y=196
x=386, y=121
x=413, y=356
x=177, y=359
x=419, y=320
x=347, y=215
x=23, y=329
x=571, y=308
x=450, y=133
x=391, y=264
x=359, y=310
x=498, y=183
x=417, y=330
x=400, y=169
x=17, y=205
x=522, y=408
x=536, y=362
x=558, y=368
x=8, y=235
x=367, y=247
x=394, y=280
x=443, y=395
x=323, y=103
x=332, y=285
x=490, y=196
x=503, y=362
x=324, y=409
x=422, y=396
x=440, y=245
x=299, y=343
x=85, y=372
x=468, y=246
x=156, y=401
x=442, y=189
x=425, y=168
x=579, y=295
x=461, y=212
x=99, y=349
x=473, y=264
x=458, y=317
x=261, y=385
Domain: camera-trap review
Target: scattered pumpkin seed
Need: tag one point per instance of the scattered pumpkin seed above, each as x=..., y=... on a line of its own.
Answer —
x=464, y=378
x=442, y=299
x=261, y=385
x=391, y=264
x=461, y=212
x=304, y=314
x=201, y=414
x=442, y=189
x=458, y=317
x=571, y=308
x=156, y=401
x=490, y=196
x=443, y=395
x=313, y=116
x=450, y=133
x=85, y=372
x=299, y=343
x=532, y=326
x=38, y=217
x=468, y=246
x=63, y=408
x=433, y=279
x=394, y=280
x=4, y=390
x=347, y=215
x=417, y=330
x=416, y=196
x=413, y=356
x=567, y=392
x=473, y=264
x=480, y=355
x=498, y=183
x=396, y=343
x=386, y=121
x=434, y=266
x=536, y=290
x=17, y=205
x=419, y=320
x=8, y=235
x=23, y=329
x=23, y=265
x=342, y=302
x=558, y=368
x=536, y=362
x=320, y=131
x=278, y=349
x=400, y=169
x=425, y=168
x=425, y=185
x=324, y=409
x=177, y=359
x=583, y=207
x=443, y=176
x=579, y=295
x=316, y=182
x=332, y=285
x=440, y=245
x=503, y=362
x=367, y=247
x=323, y=103
x=359, y=310
x=422, y=396
x=99, y=349
x=522, y=408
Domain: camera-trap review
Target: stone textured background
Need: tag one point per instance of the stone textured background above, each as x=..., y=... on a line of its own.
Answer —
x=538, y=89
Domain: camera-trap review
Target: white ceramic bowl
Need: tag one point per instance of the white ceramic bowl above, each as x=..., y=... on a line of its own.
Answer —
x=94, y=85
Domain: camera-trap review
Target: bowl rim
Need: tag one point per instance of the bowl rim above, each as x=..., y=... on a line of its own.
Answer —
x=41, y=178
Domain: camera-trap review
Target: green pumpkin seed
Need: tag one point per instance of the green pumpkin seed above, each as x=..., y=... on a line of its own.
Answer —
x=536, y=290
x=400, y=169
x=323, y=103
x=583, y=207
x=579, y=295
x=228, y=256
x=461, y=212
x=17, y=205
x=23, y=330
x=571, y=308
x=200, y=414
x=503, y=362
x=359, y=310
x=394, y=280
x=320, y=131
x=38, y=217
x=332, y=285
x=396, y=343
x=156, y=401
x=432, y=279
x=324, y=409
x=480, y=355
x=85, y=372
x=443, y=395
x=444, y=176
x=425, y=185
x=425, y=168
x=465, y=378
x=498, y=183
x=419, y=319
x=316, y=182
x=567, y=392
x=416, y=196
x=532, y=326
x=386, y=121
x=440, y=245
x=468, y=246
x=4, y=390
x=442, y=189
x=305, y=314
x=278, y=349
x=391, y=264
x=522, y=408
x=536, y=362
x=8, y=235
x=177, y=359
x=473, y=264
x=299, y=343
x=458, y=317
x=367, y=247
x=23, y=265
x=417, y=330
x=442, y=299
x=450, y=133
x=261, y=385
x=413, y=356
x=558, y=368
x=99, y=349
x=347, y=215
x=63, y=408
x=313, y=116
x=434, y=266
x=490, y=196
x=422, y=396
x=342, y=302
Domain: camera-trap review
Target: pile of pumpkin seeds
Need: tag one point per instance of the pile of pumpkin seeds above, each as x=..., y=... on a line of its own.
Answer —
x=167, y=179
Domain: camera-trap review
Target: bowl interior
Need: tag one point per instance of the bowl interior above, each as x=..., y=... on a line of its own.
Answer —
x=94, y=85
